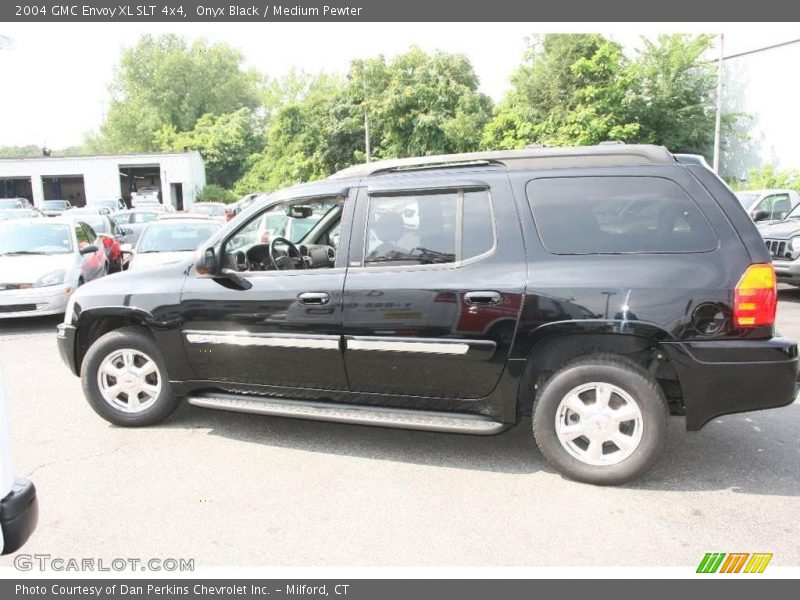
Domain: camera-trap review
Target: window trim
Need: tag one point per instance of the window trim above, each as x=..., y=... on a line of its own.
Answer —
x=530, y=198
x=460, y=190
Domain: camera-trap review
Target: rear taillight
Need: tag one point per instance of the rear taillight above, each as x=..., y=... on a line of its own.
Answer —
x=755, y=297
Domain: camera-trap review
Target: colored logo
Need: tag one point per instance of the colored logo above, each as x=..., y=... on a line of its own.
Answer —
x=734, y=562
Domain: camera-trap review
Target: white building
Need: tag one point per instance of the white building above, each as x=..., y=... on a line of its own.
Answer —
x=179, y=177
x=760, y=84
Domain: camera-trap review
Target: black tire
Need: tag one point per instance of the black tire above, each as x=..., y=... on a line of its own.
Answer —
x=629, y=377
x=137, y=339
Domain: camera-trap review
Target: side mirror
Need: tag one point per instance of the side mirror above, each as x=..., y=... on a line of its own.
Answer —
x=126, y=248
x=760, y=215
x=206, y=262
x=90, y=249
x=127, y=231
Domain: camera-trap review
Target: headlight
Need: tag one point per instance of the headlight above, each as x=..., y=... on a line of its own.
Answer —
x=54, y=278
x=794, y=244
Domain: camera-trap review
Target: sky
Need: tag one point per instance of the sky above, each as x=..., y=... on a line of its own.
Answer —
x=56, y=76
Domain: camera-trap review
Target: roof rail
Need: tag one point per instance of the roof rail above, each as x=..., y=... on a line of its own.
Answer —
x=528, y=158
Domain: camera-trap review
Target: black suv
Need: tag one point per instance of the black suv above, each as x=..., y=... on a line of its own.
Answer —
x=599, y=289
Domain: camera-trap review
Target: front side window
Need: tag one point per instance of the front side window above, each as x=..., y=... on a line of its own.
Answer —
x=428, y=228
x=616, y=215
x=772, y=207
x=291, y=221
x=82, y=236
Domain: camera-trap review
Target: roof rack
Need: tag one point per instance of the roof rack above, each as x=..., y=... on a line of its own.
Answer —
x=529, y=158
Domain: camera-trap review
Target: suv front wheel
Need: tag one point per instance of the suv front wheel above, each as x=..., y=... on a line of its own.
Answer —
x=125, y=379
x=601, y=419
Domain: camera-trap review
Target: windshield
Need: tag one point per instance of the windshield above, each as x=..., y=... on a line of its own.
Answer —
x=175, y=237
x=55, y=204
x=16, y=213
x=99, y=224
x=209, y=209
x=35, y=238
x=6, y=203
x=746, y=199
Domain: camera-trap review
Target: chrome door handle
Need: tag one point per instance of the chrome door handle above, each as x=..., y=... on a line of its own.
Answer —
x=314, y=298
x=483, y=297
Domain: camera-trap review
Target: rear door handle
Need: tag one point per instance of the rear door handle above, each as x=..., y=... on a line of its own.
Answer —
x=314, y=298
x=483, y=297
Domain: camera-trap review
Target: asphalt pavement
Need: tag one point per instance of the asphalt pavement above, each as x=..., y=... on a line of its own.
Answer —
x=234, y=489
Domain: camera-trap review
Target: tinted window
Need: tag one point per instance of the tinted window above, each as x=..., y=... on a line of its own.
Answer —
x=478, y=228
x=418, y=229
x=606, y=215
x=90, y=233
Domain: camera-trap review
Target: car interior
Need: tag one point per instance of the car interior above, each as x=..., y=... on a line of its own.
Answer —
x=287, y=236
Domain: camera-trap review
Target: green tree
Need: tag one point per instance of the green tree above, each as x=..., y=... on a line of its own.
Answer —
x=673, y=93
x=224, y=141
x=163, y=81
x=420, y=103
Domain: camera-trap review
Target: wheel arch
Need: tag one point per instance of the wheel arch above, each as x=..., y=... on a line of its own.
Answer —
x=94, y=323
x=562, y=345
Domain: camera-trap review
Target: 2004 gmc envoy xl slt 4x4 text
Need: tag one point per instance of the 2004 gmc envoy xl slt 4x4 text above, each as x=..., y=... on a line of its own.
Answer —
x=599, y=288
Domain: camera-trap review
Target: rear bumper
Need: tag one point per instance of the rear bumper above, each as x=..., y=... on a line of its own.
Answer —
x=66, y=346
x=724, y=377
x=19, y=514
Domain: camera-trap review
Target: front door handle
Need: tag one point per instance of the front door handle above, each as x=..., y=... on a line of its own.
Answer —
x=314, y=298
x=483, y=297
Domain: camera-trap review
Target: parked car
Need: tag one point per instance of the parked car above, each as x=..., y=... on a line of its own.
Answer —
x=43, y=261
x=216, y=210
x=600, y=289
x=55, y=208
x=8, y=214
x=111, y=235
x=19, y=505
x=135, y=220
x=782, y=239
x=15, y=203
x=243, y=202
x=90, y=210
x=145, y=196
x=766, y=206
x=110, y=204
x=170, y=241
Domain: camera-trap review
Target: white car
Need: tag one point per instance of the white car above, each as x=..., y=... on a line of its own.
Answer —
x=169, y=241
x=768, y=205
x=19, y=507
x=42, y=261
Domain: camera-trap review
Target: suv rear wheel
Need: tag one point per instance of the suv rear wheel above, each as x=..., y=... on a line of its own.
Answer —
x=601, y=419
x=125, y=379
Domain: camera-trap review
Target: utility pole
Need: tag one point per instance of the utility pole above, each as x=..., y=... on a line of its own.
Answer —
x=718, y=120
x=366, y=133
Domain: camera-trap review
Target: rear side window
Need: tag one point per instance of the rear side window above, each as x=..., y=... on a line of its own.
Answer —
x=429, y=228
x=613, y=215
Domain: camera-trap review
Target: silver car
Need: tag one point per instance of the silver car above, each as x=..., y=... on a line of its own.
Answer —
x=169, y=241
x=42, y=261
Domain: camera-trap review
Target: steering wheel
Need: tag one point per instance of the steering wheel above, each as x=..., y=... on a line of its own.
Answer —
x=281, y=263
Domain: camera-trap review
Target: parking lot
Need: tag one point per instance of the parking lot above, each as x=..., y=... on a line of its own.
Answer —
x=235, y=489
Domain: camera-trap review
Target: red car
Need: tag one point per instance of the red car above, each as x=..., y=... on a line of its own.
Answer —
x=111, y=235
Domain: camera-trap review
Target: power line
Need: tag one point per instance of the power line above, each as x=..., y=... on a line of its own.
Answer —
x=763, y=49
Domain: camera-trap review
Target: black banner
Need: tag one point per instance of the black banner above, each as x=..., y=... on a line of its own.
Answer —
x=271, y=11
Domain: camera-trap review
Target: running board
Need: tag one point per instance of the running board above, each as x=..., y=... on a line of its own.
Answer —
x=353, y=414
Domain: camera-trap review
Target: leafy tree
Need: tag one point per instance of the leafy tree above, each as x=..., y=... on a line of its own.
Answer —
x=224, y=141
x=768, y=178
x=163, y=81
x=216, y=193
x=673, y=93
x=419, y=103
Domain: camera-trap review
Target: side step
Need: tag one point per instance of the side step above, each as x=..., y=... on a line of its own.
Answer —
x=354, y=414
